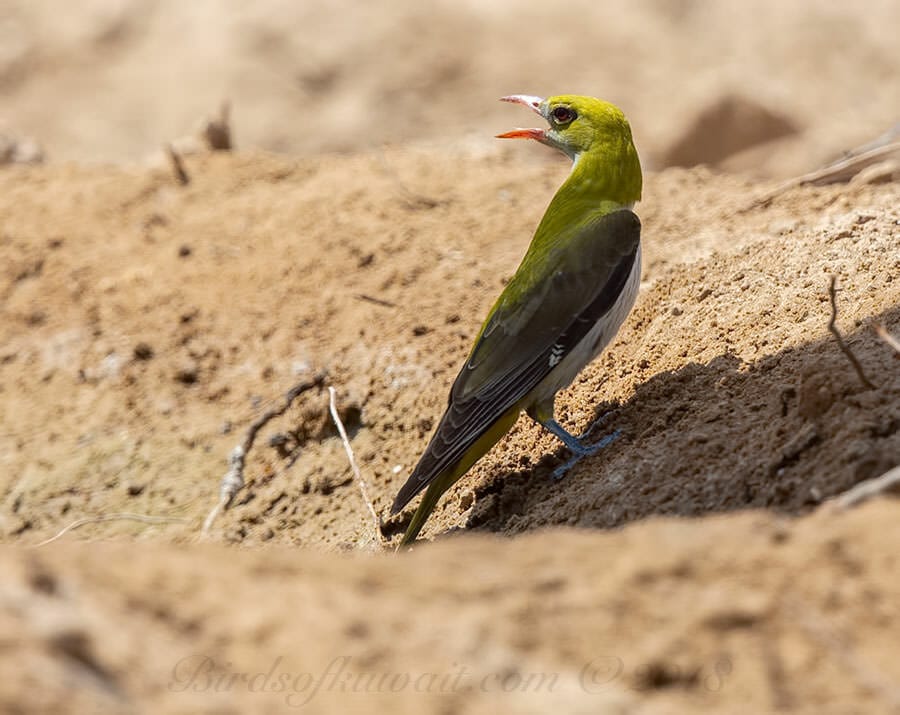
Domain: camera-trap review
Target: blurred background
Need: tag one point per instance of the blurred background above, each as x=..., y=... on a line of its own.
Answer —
x=773, y=88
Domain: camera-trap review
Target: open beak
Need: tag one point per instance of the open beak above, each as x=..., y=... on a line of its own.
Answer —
x=533, y=103
x=536, y=134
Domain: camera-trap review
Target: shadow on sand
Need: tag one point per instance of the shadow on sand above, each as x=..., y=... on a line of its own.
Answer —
x=784, y=432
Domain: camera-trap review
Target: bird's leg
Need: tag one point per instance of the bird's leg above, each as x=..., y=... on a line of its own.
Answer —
x=575, y=445
x=579, y=449
x=596, y=423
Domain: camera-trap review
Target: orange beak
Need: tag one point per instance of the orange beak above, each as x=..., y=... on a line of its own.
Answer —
x=534, y=104
x=537, y=134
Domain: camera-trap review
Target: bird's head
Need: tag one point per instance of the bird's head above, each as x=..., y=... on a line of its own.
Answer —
x=595, y=135
x=577, y=124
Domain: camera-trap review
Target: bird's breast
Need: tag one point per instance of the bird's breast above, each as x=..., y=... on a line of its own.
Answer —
x=566, y=368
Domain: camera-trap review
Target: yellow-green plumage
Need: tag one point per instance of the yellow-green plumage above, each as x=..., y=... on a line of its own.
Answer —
x=565, y=302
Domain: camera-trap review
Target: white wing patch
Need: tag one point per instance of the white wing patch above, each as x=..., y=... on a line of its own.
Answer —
x=556, y=354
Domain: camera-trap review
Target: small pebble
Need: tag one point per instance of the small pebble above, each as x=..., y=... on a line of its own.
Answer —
x=143, y=351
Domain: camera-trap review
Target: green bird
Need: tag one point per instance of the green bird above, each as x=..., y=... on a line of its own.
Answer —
x=574, y=288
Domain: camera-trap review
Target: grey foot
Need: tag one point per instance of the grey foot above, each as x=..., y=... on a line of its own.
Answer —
x=576, y=445
x=580, y=451
x=601, y=420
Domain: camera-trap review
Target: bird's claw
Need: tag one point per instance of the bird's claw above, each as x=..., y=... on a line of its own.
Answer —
x=595, y=424
x=581, y=451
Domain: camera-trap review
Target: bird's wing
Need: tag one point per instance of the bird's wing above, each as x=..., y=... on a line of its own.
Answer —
x=522, y=341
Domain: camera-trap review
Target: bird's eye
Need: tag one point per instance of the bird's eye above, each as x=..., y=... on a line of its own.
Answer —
x=562, y=115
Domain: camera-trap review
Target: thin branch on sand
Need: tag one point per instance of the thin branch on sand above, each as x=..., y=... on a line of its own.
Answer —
x=233, y=481
x=883, y=333
x=217, y=130
x=832, y=293
x=842, y=170
x=376, y=520
x=887, y=482
x=376, y=301
x=120, y=516
x=177, y=165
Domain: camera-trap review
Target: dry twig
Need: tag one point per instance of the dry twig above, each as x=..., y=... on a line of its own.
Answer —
x=376, y=520
x=177, y=166
x=112, y=517
x=217, y=131
x=832, y=293
x=887, y=482
x=883, y=333
x=233, y=481
x=842, y=170
x=376, y=301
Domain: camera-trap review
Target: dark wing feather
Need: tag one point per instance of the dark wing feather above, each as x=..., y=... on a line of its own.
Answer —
x=512, y=355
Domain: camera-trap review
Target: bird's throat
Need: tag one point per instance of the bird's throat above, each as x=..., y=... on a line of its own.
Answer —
x=604, y=174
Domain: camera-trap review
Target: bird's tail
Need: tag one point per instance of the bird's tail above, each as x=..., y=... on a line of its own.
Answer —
x=445, y=479
x=429, y=500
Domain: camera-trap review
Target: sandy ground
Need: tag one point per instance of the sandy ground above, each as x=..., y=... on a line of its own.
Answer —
x=356, y=238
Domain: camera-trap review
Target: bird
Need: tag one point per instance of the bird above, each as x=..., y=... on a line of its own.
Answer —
x=566, y=301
